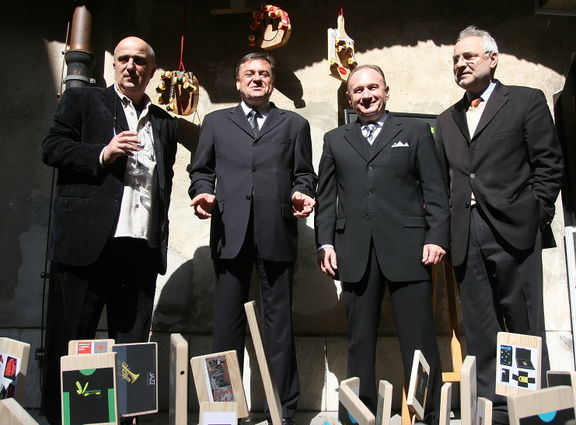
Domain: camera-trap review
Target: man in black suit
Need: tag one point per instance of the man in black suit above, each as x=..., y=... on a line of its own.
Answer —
x=382, y=219
x=253, y=175
x=114, y=152
x=505, y=171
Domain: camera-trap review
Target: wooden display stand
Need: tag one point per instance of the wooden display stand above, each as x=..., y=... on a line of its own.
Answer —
x=13, y=368
x=348, y=397
x=11, y=413
x=272, y=397
x=178, y=381
x=484, y=411
x=218, y=413
x=88, y=386
x=384, y=403
x=518, y=363
x=445, y=404
x=556, y=405
x=217, y=379
x=468, y=391
x=418, y=388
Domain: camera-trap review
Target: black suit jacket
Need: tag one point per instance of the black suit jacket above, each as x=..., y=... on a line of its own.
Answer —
x=248, y=172
x=88, y=196
x=513, y=163
x=391, y=193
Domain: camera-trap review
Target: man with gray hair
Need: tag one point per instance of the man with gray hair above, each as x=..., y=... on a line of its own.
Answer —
x=504, y=167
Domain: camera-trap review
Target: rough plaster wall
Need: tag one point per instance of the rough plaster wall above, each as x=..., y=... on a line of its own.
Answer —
x=413, y=44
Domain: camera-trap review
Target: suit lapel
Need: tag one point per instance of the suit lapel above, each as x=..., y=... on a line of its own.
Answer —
x=459, y=115
x=237, y=116
x=391, y=128
x=497, y=100
x=275, y=117
x=354, y=136
x=157, y=131
x=112, y=102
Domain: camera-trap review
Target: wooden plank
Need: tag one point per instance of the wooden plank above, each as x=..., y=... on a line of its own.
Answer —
x=137, y=371
x=217, y=379
x=518, y=363
x=384, y=411
x=418, y=387
x=270, y=389
x=13, y=368
x=13, y=414
x=468, y=391
x=557, y=403
x=445, y=404
x=484, y=411
x=88, y=386
x=348, y=396
x=178, y=380
x=89, y=346
x=218, y=413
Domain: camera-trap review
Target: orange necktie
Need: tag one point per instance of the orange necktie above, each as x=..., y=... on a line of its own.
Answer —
x=475, y=102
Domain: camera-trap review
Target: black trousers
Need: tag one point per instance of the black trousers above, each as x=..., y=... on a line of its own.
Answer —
x=500, y=290
x=229, y=326
x=124, y=280
x=412, y=305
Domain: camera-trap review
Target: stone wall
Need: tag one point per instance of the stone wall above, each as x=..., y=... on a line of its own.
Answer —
x=412, y=43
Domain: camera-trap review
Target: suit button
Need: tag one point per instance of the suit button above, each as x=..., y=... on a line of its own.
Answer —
x=248, y=197
x=370, y=193
x=467, y=204
x=370, y=168
x=367, y=217
x=472, y=175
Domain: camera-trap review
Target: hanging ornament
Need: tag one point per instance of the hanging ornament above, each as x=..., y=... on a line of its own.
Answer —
x=178, y=90
x=340, y=50
x=270, y=28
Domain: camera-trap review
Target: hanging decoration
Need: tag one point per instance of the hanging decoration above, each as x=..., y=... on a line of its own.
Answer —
x=340, y=50
x=270, y=28
x=179, y=89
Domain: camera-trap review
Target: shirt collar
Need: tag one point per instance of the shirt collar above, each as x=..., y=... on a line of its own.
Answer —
x=126, y=100
x=485, y=95
x=379, y=122
x=262, y=110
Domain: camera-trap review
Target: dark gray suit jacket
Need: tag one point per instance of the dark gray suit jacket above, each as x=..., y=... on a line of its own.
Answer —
x=513, y=163
x=259, y=173
x=391, y=193
x=88, y=196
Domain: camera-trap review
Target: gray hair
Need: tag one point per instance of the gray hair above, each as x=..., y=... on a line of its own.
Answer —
x=490, y=45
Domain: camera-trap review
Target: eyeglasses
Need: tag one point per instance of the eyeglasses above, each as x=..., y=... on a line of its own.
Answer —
x=468, y=58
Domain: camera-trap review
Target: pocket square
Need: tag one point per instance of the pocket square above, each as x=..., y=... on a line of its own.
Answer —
x=400, y=144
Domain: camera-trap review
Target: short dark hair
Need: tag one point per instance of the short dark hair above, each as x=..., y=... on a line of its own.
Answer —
x=373, y=67
x=263, y=56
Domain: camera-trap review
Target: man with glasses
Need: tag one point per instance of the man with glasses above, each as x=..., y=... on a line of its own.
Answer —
x=505, y=171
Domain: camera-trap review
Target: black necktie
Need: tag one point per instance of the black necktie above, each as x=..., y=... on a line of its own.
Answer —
x=252, y=119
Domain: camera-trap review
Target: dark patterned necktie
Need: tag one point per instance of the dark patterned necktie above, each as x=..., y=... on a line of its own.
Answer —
x=252, y=119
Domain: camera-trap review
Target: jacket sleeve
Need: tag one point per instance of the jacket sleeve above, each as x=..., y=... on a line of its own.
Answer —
x=202, y=170
x=66, y=146
x=304, y=176
x=325, y=216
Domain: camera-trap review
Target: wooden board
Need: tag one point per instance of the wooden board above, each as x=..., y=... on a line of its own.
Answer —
x=88, y=387
x=384, y=403
x=13, y=414
x=484, y=411
x=445, y=404
x=468, y=391
x=518, y=363
x=178, y=380
x=270, y=389
x=418, y=387
x=218, y=413
x=89, y=346
x=217, y=379
x=137, y=372
x=556, y=405
x=356, y=409
x=13, y=368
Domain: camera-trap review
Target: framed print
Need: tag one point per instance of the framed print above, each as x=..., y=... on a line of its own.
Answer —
x=518, y=360
x=418, y=388
x=13, y=368
x=550, y=406
x=355, y=411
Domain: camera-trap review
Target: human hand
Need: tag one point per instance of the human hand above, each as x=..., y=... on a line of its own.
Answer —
x=327, y=261
x=203, y=205
x=122, y=144
x=432, y=254
x=302, y=204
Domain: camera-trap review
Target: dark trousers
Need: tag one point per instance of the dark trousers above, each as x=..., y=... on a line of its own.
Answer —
x=229, y=328
x=500, y=290
x=412, y=305
x=124, y=280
